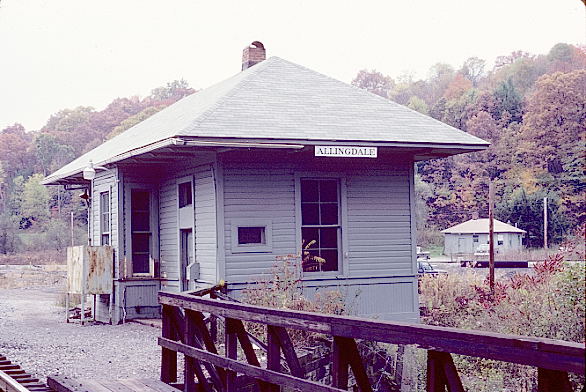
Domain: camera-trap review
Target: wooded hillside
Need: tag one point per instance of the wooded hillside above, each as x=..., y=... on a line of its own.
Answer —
x=532, y=108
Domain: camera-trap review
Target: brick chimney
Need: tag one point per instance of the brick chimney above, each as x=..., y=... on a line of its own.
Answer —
x=475, y=215
x=253, y=54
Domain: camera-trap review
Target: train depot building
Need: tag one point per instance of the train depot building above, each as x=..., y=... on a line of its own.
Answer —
x=272, y=160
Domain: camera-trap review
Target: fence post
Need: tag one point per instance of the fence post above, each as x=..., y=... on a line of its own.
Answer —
x=231, y=352
x=168, y=357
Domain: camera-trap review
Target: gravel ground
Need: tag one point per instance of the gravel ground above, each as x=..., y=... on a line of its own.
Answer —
x=34, y=334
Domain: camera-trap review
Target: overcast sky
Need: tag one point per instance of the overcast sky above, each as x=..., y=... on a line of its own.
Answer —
x=58, y=54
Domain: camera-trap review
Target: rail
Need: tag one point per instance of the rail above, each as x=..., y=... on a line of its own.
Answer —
x=14, y=379
x=185, y=331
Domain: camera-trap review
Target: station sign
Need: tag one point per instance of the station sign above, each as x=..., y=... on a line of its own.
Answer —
x=346, y=151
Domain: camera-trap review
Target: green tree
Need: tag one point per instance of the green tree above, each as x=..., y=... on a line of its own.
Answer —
x=526, y=210
x=35, y=199
x=418, y=104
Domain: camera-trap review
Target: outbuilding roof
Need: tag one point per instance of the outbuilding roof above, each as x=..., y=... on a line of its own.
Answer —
x=480, y=226
x=277, y=100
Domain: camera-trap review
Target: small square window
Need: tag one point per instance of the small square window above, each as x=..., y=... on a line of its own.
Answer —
x=251, y=235
x=475, y=238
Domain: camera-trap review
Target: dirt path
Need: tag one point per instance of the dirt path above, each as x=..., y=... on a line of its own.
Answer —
x=34, y=334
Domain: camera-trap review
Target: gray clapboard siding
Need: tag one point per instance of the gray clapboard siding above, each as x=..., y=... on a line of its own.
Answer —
x=258, y=193
x=378, y=219
x=379, y=222
x=204, y=200
x=168, y=229
x=205, y=223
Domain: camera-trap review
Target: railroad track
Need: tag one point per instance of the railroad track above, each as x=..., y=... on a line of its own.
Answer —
x=14, y=379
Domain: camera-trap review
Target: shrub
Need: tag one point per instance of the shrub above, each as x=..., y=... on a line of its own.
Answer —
x=283, y=289
x=548, y=302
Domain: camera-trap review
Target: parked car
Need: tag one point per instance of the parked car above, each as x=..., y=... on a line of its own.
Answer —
x=421, y=254
x=425, y=268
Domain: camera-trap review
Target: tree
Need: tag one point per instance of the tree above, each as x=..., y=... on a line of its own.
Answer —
x=133, y=120
x=374, y=82
x=473, y=69
x=526, y=210
x=172, y=92
x=508, y=100
x=457, y=87
x=418, y=104
x=14, y=151
x=35, y=199
x=51, y=153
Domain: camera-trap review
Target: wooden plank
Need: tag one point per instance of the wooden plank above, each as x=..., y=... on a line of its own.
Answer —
x=553, y=381
x=355, y=362
x=106, y=385
x=252, y=371
x=193, y=366
x=442, y=373
x=248, y=350
x=231, y=353
x=435, y=376
x=339, y=365
x=273, y=355
x=288, y=351
x=156, y=385
x=539, y=352
x=168, y=357
x=209, y=344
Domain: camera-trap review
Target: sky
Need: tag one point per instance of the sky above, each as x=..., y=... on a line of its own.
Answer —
x=58, y=54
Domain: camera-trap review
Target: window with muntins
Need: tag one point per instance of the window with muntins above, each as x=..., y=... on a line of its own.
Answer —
x=141, y=231
x=475, y=238
x=320, y=223
x=105, y=218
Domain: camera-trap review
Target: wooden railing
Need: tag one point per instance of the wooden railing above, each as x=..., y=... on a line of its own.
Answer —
x=185, y=331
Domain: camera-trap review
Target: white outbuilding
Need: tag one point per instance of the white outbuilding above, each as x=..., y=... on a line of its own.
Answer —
x=464, y=238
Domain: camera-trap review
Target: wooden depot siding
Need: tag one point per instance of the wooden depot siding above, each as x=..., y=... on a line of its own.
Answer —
x=253, y=192
x=205, y=224
x=378, y=218
x=379, y=222
x=168, y=235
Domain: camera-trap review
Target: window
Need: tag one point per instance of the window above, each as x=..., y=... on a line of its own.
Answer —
x=500, y=239
x=105, y=218
x=320, y=224
x=140, y=231
x=475, y=238
x=251, y=235
x=185, y=194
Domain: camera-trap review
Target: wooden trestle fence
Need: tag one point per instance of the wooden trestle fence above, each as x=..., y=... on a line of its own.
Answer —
x=185, y=330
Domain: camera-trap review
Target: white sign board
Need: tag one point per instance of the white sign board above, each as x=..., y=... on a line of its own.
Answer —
x=345, y=151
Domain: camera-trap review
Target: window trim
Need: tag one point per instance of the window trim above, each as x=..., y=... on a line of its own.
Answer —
x=153, y=221
x=267, y=247
x=343, y=259
x=107, y=232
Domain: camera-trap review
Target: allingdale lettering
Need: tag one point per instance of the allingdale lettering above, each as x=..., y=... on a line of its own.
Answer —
x=346, y=151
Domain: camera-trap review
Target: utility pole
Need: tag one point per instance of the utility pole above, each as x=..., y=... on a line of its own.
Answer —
x=545, y=222
x=491, y=236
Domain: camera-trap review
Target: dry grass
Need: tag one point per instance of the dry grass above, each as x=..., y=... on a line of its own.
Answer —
x=47, y=257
